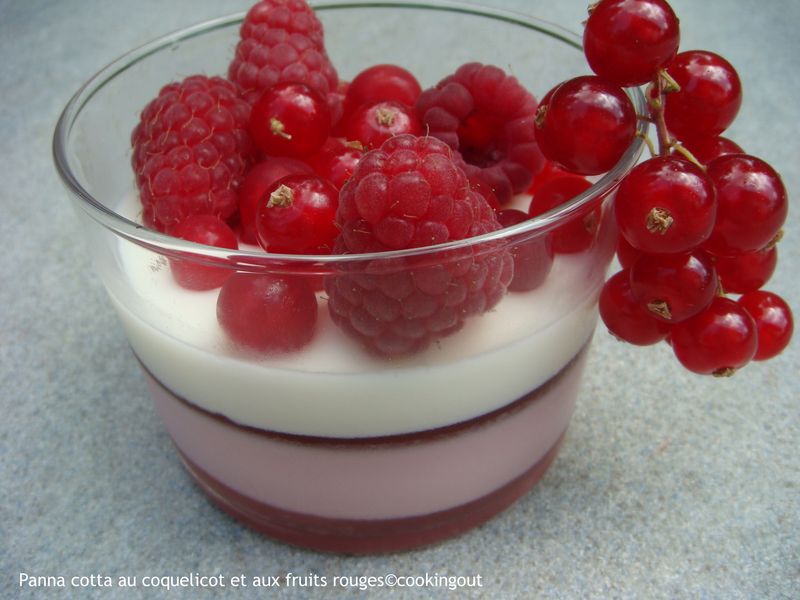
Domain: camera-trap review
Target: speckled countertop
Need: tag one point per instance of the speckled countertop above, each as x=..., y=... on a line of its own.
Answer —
x=669, y=485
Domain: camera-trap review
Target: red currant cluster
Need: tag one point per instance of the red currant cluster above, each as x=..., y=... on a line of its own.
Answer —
x=700, y=219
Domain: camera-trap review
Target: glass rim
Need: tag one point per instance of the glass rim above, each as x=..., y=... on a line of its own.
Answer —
x=166, y=244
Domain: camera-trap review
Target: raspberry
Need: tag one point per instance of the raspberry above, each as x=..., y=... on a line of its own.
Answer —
x=489, y=118
x=190, y=150
x=408, y=194
x=281, y=41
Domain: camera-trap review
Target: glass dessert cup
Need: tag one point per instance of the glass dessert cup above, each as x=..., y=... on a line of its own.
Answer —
x=331, y=447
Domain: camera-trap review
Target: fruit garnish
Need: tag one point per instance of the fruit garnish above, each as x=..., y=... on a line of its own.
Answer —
x=208, y=230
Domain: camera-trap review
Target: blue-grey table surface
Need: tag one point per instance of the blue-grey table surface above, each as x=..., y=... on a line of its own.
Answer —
x=669, y=485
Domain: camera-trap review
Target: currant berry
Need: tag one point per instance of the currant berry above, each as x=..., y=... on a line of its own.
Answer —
x=533, y=258
x=585, y=125
x=717, y=341
x=297, y=216
x=774, y=322
x=380, y=83
x=746, y=272
x=674, y=287
x=336, y=160
x=259, y=180
x=290, y=119
x=374, y=124
x=626, y=254
x=267, y=313
x=579, y=232
x=665, y=205
x=625, y=316
x=627, y=42
x=707, y=149
x=709, y=98
x=208, y=230
x=752, y=205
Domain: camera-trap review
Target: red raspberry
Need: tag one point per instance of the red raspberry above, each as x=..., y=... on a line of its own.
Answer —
x=410, y=193
x=281, y=40
x=190, y=150
x=488, y=117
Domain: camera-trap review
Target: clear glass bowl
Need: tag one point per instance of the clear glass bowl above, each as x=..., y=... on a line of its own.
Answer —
x=330, y=447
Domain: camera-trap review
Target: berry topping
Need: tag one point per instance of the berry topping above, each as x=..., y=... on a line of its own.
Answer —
x=628, y=41
x=533, y=258
x=410, y=194
x=281, y=41
x=746, y=272
x=626, y=317
x=190, y=150
x=578, y=233
x=336, y=160
x=260, y=180
x=674, y=287
x=709, y=96
x=374, y=124
x=297, y=216
x=585, y=125
x=752, y=205
x=267, y=313
x=487, y=116
x=381, y=83
x=665, y=205
x=208, y=230
x=773, y=319
x=290, y=119
x=717, y=341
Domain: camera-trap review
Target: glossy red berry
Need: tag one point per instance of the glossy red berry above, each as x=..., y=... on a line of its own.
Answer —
x=267, y=313
x=585, y=125
x=381, y=83
x=208, y=230
x=297, y=216
x=708, y=148
x=625, y=316
x=628, y=41
x=533, y=258
x=709, y=98
x=336, y=160
x=626, y=254
x=674, y=287
x=577, y=234
x=752, y=205
x=773, y=319
x=290, y=119
x=665, y=205
x=746, y=272
x=258, y=181
x=373, y=124
x=718, y=340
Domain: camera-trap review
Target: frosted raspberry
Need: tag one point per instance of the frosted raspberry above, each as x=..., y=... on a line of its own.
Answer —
x=408, y=194
x=488, y=117
x=281, y=40
x=190, y=150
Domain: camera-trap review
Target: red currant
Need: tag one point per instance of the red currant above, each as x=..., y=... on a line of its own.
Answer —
x=773, y=319
x=665, y=205
x=674, y=287
x=267, y=313
x=380, y=83
x=336, y=160
x=709, y=97
x=585, y=125
x=258, y=181
x=626, y=254
x=533, y=258
x=579, y=232
x=708, y=148
x=718, y=340
x=290, y=119
x=625, y=316
x=297, y=216
x=752, y=205
x=208, y=230
x=746, y=272
x=374, y=124
x=628, y=41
